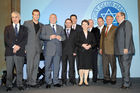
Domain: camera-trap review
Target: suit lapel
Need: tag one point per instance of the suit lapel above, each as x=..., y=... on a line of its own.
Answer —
x=13, y=30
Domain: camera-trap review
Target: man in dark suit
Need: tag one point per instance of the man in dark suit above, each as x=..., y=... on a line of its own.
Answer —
x=97, y=31
x=52, y=34
x=107, y=51
x=124, y=47
x=15, y=39
x=33, y=48
x=95, y=52
x=76, y=27
x=68, y=53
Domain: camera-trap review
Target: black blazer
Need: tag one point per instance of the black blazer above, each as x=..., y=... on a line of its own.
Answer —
x=68, y=45
x=81, y=39
x=10, y=39
x=96, y=33
x=78, y=28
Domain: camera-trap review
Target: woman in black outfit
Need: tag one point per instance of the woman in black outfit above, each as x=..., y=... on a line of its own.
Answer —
x=86, y=43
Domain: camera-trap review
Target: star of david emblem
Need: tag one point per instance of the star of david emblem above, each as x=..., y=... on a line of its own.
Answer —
x=108, y=12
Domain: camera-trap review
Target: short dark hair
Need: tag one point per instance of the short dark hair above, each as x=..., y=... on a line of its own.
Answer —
x=68, y=19
x=35, y=10
x=85, y=21
x=73, y=15
x=122, y=14
x=100, y=18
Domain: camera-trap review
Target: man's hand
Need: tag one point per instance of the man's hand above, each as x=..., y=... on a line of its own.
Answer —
x=16, y=48
x=101, y=52
x=74, y=54
x=58, y=37
x=125, y=51
x=52, y=36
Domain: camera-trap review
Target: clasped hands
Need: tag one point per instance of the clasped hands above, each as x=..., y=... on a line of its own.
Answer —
x=16, y=48
x=86, y=46
x=55, y=37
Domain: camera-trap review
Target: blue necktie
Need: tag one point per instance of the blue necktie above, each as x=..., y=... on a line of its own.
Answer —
x=54, y=30
x=16, y=30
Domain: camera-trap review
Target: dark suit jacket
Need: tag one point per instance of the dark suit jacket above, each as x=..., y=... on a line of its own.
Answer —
x=78, y=29
x=82, y=40
x=10, y=39
x=96, y=33
x=68, y=46
x=124, y=38
x=107, y=42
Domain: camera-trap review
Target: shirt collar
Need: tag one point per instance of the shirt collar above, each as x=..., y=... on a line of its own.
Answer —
x=15, y=24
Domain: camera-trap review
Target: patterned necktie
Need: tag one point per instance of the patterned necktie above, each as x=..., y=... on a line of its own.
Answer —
x=16, y=30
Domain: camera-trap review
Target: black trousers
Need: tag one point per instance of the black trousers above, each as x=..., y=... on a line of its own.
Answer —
x=65, y=60
x=95, y=65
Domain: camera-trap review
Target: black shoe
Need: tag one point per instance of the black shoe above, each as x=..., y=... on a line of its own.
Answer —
x=106, y=81
x=35, y=86
x=57, y=85
x=9, y=89
x=21, y=88
x=48, y=86
x=113, y=82
x=73, y=82
x=124, y=87
x=94, y=80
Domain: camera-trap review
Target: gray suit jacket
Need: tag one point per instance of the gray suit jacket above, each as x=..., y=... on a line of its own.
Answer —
x=124, y=38
x=54, y=46
x=33, y=43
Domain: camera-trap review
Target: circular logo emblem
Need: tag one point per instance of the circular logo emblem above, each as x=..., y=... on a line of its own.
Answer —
x=106, y=8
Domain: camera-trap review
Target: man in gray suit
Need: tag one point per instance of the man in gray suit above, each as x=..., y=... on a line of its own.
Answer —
x=52, y=34
x=124, y=47
x=33, y=48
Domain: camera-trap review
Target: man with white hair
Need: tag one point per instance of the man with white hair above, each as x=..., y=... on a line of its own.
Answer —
x=15, y=39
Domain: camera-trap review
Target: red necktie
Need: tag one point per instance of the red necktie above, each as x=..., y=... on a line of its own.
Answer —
x=106, y=31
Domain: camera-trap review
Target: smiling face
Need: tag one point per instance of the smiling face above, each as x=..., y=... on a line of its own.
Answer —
x=119, y=17
x=74, y=19
x=36, y=16
x=15, y=17
x=53, y=19
x=68, y=23
x=85, y=26
x=100, y=22
x=109, y=20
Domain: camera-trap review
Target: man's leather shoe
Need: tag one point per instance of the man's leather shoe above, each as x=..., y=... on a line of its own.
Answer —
x=124, y=87
x=48, y=86
x=20, y=88
x=106, y=81
x=57, y=85
x=35, y=86
x=113, y=82
x=73, y=82
x=9, y=89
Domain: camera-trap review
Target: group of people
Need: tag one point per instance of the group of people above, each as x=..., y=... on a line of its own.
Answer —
x=93, y=48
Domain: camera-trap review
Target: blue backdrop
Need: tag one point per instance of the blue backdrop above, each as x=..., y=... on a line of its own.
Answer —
x=87, y=9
